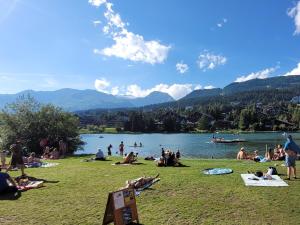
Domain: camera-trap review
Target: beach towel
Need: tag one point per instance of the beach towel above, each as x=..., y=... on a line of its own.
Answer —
x=40, y=164
x=217, y=171
x=30, y=185
x=148, y=185
x=252, y=180
x=126, y=164
x=46, y=165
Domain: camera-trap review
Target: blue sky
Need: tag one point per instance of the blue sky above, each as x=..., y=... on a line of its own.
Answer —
x=134, y=47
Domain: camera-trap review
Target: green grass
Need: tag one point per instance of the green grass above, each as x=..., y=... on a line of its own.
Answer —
x=183, y=196
x=110, y=130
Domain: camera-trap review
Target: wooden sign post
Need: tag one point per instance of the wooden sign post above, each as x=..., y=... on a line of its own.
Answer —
x=121, y=208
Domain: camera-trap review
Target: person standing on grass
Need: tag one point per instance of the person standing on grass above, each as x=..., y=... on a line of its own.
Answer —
x=109, y=150
x=291, y=150
x=121, y=148
x=16, y=158
x=3, y=158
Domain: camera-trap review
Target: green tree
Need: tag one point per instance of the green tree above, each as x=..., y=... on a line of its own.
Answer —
x=244, y=120
x=203, y=123
x=30, y=122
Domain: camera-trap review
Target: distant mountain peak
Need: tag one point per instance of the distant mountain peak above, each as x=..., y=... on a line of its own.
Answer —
x=75, y=100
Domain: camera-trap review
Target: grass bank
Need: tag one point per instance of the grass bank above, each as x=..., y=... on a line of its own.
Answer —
x=77, y=193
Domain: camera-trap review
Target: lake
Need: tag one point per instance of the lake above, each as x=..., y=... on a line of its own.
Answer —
x=190, y=145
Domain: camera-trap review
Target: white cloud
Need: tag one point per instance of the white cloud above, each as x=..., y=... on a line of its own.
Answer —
x=177, y=91
x=198, y=87
x=262, y=74
x=96, y=22
x=101, y=85
x=128, y=45
x=222, y=23
x=208, y=60
x=182, y=67
x=295, y=13
x=295, y=71
x=115, y=90
x=97, y=3
x=209, y=87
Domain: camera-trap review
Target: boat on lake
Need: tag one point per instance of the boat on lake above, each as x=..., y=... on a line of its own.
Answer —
x=227, y=141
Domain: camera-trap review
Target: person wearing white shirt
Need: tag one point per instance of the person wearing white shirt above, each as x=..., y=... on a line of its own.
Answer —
x=100, y=155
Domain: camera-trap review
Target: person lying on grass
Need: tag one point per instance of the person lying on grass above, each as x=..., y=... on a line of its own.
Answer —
x=129, y=159
x=140, y=182
x=7, y=184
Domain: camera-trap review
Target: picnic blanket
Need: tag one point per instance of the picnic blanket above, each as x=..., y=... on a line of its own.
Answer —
x=126, y=164
x=217, y=171
x=252, y=180
x=30, y=185
x=41, y=164
x=147, y=185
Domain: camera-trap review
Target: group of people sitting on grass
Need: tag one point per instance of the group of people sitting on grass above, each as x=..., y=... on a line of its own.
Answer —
x=169, y=158
x=275, y=154
x=128, y=158
x=51, y=153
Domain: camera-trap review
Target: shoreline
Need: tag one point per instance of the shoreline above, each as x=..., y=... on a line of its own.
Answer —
x=194, y=132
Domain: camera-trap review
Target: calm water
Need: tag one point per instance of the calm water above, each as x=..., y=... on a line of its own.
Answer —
x=190, y=145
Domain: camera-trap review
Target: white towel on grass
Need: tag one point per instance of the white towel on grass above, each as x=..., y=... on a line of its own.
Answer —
x=275, y=182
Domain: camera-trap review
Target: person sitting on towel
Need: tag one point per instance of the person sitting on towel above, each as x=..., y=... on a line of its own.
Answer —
x=7, y=184
x=130, y=158
x=54, y=154
x=242, y=154
x=100, y=155
x=33, y=159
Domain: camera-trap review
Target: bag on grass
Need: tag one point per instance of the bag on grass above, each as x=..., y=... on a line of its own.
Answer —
x=272, y=171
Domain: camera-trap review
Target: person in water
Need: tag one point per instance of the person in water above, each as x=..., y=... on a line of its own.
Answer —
x=291, y=150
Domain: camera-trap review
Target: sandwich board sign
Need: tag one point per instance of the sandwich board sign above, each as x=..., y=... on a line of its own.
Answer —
x=121, y=208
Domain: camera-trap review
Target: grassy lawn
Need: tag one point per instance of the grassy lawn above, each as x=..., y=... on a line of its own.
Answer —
x=110, y=130
x=183, y=196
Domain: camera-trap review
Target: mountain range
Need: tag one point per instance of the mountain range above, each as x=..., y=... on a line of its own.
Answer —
x=286, y=87
x=75, y=100
x=273, y=83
